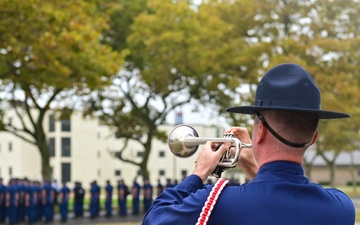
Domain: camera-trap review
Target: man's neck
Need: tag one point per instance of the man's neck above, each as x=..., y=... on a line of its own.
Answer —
x=276, y=154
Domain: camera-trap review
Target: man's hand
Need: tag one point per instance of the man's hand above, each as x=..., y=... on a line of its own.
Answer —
x=208, y=159
x=247, y=161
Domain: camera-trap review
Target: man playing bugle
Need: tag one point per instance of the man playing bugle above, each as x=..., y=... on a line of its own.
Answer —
x=286, y=115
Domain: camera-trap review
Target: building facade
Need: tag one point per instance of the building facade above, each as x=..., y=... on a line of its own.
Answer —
x=82, y=149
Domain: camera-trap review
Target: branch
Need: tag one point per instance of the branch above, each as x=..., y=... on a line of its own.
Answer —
x=129, y=97
x=322, y=154
x=21, y=118
x=27, y=108
x=15, y=131
x=120, y=156
x=311, y=161
x=172, y=107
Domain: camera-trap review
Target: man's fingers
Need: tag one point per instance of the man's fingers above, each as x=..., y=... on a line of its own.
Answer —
x=223, y=148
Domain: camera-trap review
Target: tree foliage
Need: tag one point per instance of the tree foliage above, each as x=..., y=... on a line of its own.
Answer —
x=321, y=36
x=212, y=53
x=178, y=53
x=50, y=51
x=216, y=52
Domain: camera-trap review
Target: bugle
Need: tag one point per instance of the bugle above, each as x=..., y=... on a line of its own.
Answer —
x=183, y=141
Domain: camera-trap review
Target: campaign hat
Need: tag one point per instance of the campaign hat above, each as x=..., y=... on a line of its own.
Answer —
x=288, y=87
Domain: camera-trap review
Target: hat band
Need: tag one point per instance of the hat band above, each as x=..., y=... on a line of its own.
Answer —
x=283, y=140
x=286, y=104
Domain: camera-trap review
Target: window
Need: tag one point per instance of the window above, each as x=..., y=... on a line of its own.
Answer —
x=161, y=172
x=66, y=147
x=178, y=118
x=52, y=147
x=51, y=123
x=65, y=125
x=161, y=154
x=10, y=146
x=183, y=173
x=117, y=172
x=140, y=154
x=10, y=171
x=218, y=133
x=66, y=172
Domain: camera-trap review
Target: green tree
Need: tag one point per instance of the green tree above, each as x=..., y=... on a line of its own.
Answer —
x=216, y=52
x=121, y=21
x=321, y=36
x=50, y=51
x=178, y=53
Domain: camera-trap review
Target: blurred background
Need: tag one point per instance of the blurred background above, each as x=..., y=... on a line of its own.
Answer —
x=90, y=89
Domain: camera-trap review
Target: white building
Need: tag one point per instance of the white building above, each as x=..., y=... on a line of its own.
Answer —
x=80, y=149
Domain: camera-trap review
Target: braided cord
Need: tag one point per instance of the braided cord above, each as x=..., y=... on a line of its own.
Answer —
x=211, y=201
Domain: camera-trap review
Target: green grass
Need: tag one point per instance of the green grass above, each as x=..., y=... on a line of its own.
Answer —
x=102, y=204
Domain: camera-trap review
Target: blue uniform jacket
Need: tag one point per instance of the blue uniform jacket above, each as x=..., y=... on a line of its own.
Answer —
x=280, y=194
x=65, y=192
x=109, y=190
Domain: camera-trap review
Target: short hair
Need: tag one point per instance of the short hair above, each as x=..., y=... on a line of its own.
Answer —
x=294, y=126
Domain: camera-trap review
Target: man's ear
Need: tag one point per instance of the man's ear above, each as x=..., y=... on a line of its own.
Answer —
x=261, y=133
x=315, y=137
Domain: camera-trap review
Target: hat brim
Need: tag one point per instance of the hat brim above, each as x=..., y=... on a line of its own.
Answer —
x=323, y=114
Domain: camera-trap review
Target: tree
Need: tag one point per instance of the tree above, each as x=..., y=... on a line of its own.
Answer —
x=321, y=36
x=212, y=52
x=178, y=54
x=50, y=52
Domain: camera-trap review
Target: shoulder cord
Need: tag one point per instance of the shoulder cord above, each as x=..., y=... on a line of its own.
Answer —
x=211, y=201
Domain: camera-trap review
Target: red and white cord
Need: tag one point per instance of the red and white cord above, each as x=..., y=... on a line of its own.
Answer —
x=211, y=201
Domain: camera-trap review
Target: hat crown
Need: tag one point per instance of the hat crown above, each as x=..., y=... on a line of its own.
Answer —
x=288, y=85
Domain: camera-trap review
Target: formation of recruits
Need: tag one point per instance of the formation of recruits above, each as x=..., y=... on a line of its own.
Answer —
x=25, y=200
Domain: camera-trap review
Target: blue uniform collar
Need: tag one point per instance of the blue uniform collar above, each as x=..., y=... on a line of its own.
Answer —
x=281, y=171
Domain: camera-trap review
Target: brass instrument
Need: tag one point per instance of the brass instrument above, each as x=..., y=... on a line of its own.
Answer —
x=184, y=141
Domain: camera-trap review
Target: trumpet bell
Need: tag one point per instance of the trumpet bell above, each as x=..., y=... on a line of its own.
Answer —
x=176, y=141
x=183, y=141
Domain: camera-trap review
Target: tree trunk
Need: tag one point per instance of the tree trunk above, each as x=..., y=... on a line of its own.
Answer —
x=331, y=164
x=144, y=171
x=45, y=168
x=308, y=169
x=332, y=173
x=352, y=172
x=45, y=157
x=308, y=165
